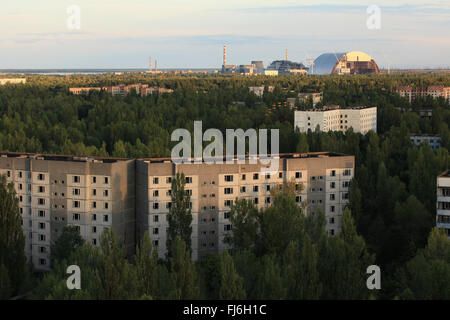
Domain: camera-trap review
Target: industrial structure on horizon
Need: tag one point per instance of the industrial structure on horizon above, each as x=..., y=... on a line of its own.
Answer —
x=122, y=89
x=133, y=196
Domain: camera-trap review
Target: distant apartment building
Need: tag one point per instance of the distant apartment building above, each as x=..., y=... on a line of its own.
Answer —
x=412, y=93
x=443, y=202
x=334, y=118
x=322, y=180
x=316, y=98
x=4, y=81
x=123, y=90
x=259, y=91
x=434, y=141
x=54, y=191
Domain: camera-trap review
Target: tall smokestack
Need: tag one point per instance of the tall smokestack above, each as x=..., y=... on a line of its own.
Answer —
x=150, y=65
x=287, y=55
x=224, y=55
x=156, y=66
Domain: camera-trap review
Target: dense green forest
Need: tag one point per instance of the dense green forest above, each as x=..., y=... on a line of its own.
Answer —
x=389, y=221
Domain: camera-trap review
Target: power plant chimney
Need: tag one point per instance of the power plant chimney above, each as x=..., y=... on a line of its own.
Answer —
x=287, y=55
x=156, y=66
x=150, y=64
x=224, y=55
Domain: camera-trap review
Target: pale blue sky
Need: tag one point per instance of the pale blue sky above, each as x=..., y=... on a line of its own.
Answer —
x=184, y=33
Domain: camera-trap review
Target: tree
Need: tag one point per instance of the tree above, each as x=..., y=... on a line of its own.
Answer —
x=182, y=271
x=116, y=279
x=69, y=240
x=146, y=262
x=12, y=241
x=180, y=215
x=231, y=285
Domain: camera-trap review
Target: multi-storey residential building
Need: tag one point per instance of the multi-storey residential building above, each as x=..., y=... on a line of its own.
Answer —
x=322, y=180
x=434, y=141
x=443, y=202
x=140, y=89
x=333, y=118
x=12, y=81
x=54, y=191
x=259, y=91
x=433, y=91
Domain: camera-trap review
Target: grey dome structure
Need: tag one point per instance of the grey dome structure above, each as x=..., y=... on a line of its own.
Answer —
x=354, y=62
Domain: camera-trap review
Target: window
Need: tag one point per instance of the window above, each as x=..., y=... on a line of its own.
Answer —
x=42, y=262
x=94, y=179
x=255, y=176
x=20, y=174
x=20, y=186
x=228, y=178
x=332, y=232
x=333, y=173
x=41, y=225
x=106, y=205
x=168, y=205
x=94, y=242
x=169, y=193
x=331, y=220
x=267, y=175
x=256, y=200
x=76, y=217
x=155, y=230
x=244, y=177
x=156, y=193
x=76, y=179
x=105, y=218
x=227, y=227
x=155, y=243
x=94, y=217
x=228, y=191
x=155, y=180
x=226, y=215
x=212, y=195
x=280, y=175
x=188, y=179
x=345, y=184
x=94, y=229
x=169, y=180
x=347, y=172
x=228, y=203
x=155, y=205
x=94, y=204
x=298, y=199
x=267, y=200
x=105, y=193
x=155, y=218
x=20, y=198
x=243, y=189
x=332, y=196
x=42, y=249
x=332, y=209
x=41, y=201
x=298, y=175
x=332, y=185
x=345, y=196
x=94, y=192
x=42, y=237
x=106, y=180
x=76, y=192
x=255, y=188
x=268, y=187
x=189, y=192
x=41, y=176
x=76, y=204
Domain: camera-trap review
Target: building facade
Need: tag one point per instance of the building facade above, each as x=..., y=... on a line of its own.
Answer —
x=443, y=202
x=412, y=93
x=322, y=181
x=333, y=118
x=12, y=81
x=434, y=141
x=54, y=191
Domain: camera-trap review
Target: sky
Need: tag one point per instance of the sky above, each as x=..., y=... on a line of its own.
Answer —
x=191, y=34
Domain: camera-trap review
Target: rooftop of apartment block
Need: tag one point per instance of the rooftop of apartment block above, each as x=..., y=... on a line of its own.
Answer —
x=247, y=157
x=337, y=107
x=445, y=174
x=56, y=157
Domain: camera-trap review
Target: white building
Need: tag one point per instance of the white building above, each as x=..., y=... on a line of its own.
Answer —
x=12, y=81
x=333, y=118
x=443, y=202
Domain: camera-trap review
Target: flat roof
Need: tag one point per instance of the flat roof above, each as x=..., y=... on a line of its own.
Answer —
x=280, y=156
x=57, y=157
